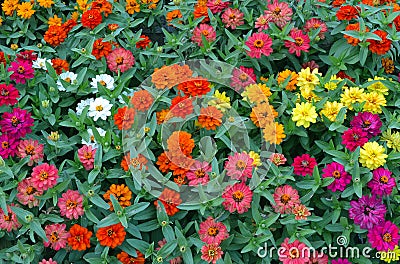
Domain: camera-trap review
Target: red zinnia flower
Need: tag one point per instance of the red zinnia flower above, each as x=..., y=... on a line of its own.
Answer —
x=8, y=94
x=194, y=87
x=91, y=18
x=79, y=238
x=101, y=49
x=347, y=13
x=304, y=165
x=379, y=47
x=181, y=106
x=170, y=199
x=144, y=42
x=111, y=236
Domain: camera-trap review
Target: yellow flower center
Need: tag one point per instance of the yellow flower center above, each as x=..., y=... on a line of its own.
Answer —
x=258, y=43
x=213, y=231
x=384, y=179
x=238, y=196
x=99, y=108
x=285, y=198
x=387, y=237
x=336, y=174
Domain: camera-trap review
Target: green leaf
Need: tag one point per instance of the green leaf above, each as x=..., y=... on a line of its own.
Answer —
x=37, y=228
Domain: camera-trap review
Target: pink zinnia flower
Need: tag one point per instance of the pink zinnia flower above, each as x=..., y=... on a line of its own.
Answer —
x=337, y=171
x=212, y=232
x=27, y=56
x=211, y=253
x=198, y=173
x=8, y=94
x=259, y=43
x=300, y=212
x=242, y=77
x=203, y=30
x=44, y=176
x=262, y=23
x=340, y=261
x=277, y=159
x=232, y=18
x=279, y=13
x=286, y=198
x=9, y=222
x=367, y=212
x=8, y=146
x=120, y=59
x=382, y=182
x=237, y=197
x=304, y=165
x=315, y=24
x=294, y=253
x=17, y=123
x=26, y=193
x=353, y=138
x=86, y=155
x=318, y=258
x=239, y=166
x=57, y=236
x=30, y=147
x=49, y=261
x=70, y=204
x=384, y=237
x=217, y=6
x=301, y=42
x=22, y=70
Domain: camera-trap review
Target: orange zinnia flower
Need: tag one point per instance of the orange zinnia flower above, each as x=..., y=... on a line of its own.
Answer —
x=356, y=27
x=180, y=164
x=347, y=12
x=111, y=236
x=79, y=238
x=162, y=116
x=201, y=11
x=337, y=3
x=180, y=142
x=181, y=106
x=169, y=76
x=144, y=42
x=124, y=118
x=91, y=18
x=127, y=259
x=137, y=162
x=69, y=25
x=59, y=65
x=274, y=133
x=210, y=117
x=142, y=100
x=103, y=6
x=380, y=47
x=163, y=162
x=263, y=114
x=121, y=193
x=170, y=199
x=194, y=87
x=172, y=15
x=283, y=75
x=101, y=49
x=55, y=35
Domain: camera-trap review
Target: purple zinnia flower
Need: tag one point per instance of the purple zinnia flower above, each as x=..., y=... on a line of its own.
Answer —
x=367, y=212
x=17, y=123
x=354, y=137
x=342, y=178
x=382, y=182
x=384, y=237
x=368, y=122
x=22, y=70
x=8, y=146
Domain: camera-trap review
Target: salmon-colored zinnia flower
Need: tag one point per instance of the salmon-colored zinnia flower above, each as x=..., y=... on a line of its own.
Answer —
x=111, y=236
x=142, y=100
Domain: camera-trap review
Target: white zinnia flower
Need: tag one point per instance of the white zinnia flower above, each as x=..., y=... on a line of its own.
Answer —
x=105, y=80
x=82, y=104
x=41, y=63
x=69, y=77
x=92, y=141
x=100, y=108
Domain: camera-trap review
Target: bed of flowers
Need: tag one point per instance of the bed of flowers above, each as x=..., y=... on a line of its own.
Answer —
x=151, y=131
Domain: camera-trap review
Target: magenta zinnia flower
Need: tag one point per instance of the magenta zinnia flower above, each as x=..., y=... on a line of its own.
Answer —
x=232, y=18
x=237, y=197
x=259, y=43
x=17, y=123
x=211, y=253
x=44, y=176
x=120, y=59
x=353, y=138
x=217, y=6
x=384, y=237
x=9, y=222
x=8, y=94
x=279, y=13
x=57, y=236
x=286, y=198
x=277, y=159
x=315, y=24
x=30, y=147
x=367, y=212
x=294, y=253
x=86, y=155
x=382, y=182
x=342, y=178
x=242, y=77
x=8, y=146
x=368, y=122
x=198, y=173
x=304, y=165
x=301, y=42
x=212, y=232
x=70, y=204
x=239, y=166
x=340, y=261
x=26, y=193
x=27, y=56
x=203, y=30
x=22, y=70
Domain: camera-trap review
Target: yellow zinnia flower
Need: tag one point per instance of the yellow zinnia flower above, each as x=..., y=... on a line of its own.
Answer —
x=1, y=21
x=221, y=101
x=392, y=140
x=45, y=3
x=331, y=110
x=391, y=255
x=378, y=87
x=274, y=133
x=373, y=102
x=351, y=96
x=256, y=158
x=256, y=93
x=55, y=21
x=82, y=5
x=333, y=82
x=24, y=10
x=308, y=79
x=304, y=114
x=9, y=6
x=372, y=155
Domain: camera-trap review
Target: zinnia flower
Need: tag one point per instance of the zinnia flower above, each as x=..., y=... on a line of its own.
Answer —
x=368, y=122
x=70, y=204
x=111, y=236
x=99, y=108
x=277, y=159
x=278, y=13
x=198, y=173
x=294, y=253
x=242, y=78
x=33, y=148
x=286, y=198
x=212, y=232
x=239, y=166
x=56, y=235
x=26, y=193
x=44, y=176
x=181, y=106
x=101, y=49
x=232, y=18
x=353, y=138
x=216, y=6
x=382, y=182
x=79, y=237
x=9, y=222
x=86, y=155
x=301, y=42
x=121, y=192
x=372, y=155
x=127, y=259
x=91, y=18
x=300, y=212
x=316, y=24
x=380, y=47
x=59, y=65
x=368, y=212
x=211, y=253
x=259, y=43
x=49, y=261
x=8, y=146
x=8, y=94
x=17, y=123
x=337, y=171
x=170, y=199
x=210, y=118
x=142, y=100
x=144, y=42
x=203, y=30
x=384, y=237
x=120, y=59
x=25, y=10
x=304, y=114
x=195, y=87
x=22, y=71
x=237, y=197
x=347, y=12
x=124, y=118
x=304, y=165
x=103, y=79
